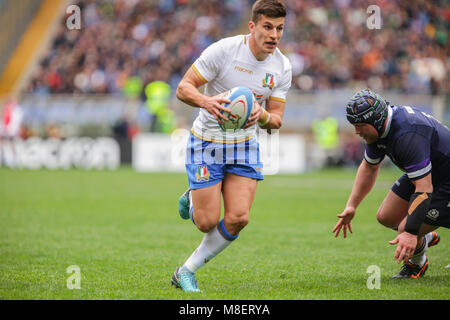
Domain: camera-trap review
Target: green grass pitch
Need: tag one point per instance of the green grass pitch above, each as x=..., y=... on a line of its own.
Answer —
x=123, y=231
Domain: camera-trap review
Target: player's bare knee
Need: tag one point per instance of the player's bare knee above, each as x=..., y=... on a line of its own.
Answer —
x=385, y=220
x=238, y=221
x=205, y=224
x=204, y=227
x=381, y=218
x=242, y=222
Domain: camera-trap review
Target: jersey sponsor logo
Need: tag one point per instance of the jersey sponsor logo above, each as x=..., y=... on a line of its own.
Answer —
x=381, y=146
x=241, y=69
x=433, y=214
x=202, y=173
x=268, y=81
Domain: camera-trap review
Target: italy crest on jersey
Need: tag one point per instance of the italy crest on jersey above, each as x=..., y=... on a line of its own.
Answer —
x=202, y=173
x=268, y=81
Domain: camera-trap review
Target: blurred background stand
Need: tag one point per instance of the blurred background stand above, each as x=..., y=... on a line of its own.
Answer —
x=115, y=76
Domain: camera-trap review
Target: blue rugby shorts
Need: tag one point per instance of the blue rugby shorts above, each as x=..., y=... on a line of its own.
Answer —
x=207, y=162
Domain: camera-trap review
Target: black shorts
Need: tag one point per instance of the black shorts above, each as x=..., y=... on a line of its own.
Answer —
x=439, y=212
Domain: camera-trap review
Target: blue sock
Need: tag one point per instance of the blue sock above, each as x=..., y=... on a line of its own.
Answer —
x=224, y=232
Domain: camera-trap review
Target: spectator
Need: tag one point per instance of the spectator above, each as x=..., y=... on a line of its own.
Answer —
x=128, y=39
x=333, y=47
x=328, y=43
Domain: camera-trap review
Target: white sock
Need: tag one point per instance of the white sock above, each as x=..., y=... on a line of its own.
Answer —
x=428, y=237
x=212, y=244
x=419, y=256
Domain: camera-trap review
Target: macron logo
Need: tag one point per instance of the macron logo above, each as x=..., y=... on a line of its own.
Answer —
x=242, y=69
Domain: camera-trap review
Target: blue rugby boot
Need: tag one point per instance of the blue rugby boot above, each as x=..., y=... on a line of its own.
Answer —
x=184, y=204
x=185, y=281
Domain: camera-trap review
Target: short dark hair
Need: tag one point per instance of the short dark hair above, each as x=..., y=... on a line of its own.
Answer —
x=268, y=8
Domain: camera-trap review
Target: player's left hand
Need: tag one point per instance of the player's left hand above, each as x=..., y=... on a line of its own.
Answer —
x=344, y=222
x=254, y=116
x=406, y=245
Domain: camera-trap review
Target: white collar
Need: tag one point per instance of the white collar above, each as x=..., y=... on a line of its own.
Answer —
x=388, y=123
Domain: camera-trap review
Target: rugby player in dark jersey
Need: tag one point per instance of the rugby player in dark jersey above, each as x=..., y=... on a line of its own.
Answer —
x=419, y=201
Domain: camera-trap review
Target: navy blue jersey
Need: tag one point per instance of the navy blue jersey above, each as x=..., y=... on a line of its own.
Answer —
x=415, y=142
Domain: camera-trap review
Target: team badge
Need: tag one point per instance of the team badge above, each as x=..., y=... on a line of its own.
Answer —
x=433, y=214
x=268, y=81
x=202, y=173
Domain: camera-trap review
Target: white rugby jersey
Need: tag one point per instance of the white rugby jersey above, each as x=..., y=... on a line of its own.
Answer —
x=229, y=63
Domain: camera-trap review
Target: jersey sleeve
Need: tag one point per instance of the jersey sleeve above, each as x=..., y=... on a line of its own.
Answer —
x=412, y=150
x=373, y=154
x=280, y=91
x=208, y=65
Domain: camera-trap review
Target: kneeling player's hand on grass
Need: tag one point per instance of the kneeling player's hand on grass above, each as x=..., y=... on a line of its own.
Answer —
x=254, y=116
x=344, y=222
x=406, y=245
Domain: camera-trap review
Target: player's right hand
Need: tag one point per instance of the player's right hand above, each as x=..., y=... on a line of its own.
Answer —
x=344, y=222
x=214, y=106
x=254, y=116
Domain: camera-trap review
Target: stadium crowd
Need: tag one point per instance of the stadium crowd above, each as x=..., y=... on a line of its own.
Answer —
x=331, y=46
x=124, y=40
x=327, y=42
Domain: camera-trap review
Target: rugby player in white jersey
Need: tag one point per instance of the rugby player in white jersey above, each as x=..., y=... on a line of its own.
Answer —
x=253, y=61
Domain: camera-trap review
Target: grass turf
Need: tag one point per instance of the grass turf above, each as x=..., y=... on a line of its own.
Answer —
x=123, y=230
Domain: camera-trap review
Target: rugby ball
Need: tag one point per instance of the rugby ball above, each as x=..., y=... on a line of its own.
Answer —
x=241, y=105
